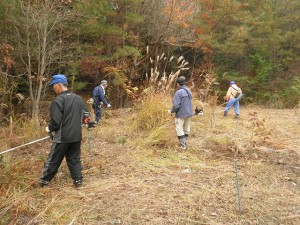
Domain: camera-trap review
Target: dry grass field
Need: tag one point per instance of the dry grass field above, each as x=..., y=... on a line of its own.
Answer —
x=138, y=174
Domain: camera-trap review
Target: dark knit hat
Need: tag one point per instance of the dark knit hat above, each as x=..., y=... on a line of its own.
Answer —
x=181, y=80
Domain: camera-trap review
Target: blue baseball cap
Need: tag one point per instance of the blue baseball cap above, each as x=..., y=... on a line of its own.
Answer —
x=232, y=82
x=59, y=78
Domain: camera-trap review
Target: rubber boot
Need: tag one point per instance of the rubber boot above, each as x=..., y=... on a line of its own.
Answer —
x=186, y=137
x=182, y=141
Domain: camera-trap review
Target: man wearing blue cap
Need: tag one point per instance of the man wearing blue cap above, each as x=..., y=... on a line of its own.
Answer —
x=98, y=96
x=232, y=98
x=67, y=113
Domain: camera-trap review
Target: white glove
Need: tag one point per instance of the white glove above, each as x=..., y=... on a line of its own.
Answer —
x=109, y=105
x=201, y=113
x=169, y=111
x=47, y=129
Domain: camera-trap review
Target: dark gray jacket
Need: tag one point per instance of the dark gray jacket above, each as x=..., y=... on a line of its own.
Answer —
x=182, y=103
x=66, y=113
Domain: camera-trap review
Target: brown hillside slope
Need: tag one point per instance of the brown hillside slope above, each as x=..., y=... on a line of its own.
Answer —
x=126, y=183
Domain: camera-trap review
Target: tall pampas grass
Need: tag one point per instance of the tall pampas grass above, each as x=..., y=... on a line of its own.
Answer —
x=160, y=79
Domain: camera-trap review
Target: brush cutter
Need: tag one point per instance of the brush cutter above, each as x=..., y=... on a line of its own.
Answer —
x=90, y=124
x=29, y=143
x=198, y=112
x=236, y=99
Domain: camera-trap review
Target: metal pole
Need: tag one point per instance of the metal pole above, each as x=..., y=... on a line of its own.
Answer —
x=238, y=188
x=30, y=143
x=236, y=125
x=90, y=144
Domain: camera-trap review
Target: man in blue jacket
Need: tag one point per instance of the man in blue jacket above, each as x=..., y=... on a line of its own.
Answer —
x=183, y=109
x=98, y=96
x=67, y=113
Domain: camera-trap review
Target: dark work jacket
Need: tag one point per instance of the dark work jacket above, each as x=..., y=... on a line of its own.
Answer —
x=99, y=96
x=66, y=113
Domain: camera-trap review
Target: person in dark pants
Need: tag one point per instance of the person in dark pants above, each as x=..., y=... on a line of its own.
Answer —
x=183, y=109
x=67, y=113
x=98, y=96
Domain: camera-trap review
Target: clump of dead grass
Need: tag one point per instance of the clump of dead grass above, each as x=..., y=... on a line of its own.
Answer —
x=219, y=143
x=160, y=137
x=20, y=131
x=152, y=113
x=152, y=125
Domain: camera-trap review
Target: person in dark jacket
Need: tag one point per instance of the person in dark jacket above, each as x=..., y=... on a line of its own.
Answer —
x=98, y=96
x=183, y=109
x=67, y=113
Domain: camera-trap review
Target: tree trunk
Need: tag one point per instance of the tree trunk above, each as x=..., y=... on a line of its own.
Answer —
x=35, y=113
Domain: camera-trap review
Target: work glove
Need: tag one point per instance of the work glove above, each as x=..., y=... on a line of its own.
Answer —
x=47, y=129
x=198, y=111
x=109, y=105
x=51, y=134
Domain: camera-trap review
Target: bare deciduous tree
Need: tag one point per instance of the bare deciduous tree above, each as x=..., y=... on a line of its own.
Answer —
x=43, y=41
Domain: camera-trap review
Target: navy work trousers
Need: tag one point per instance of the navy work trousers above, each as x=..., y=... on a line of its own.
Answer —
x=97, y=111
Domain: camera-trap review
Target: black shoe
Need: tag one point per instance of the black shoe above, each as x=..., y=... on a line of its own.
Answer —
x=43, y=183
x=237, y=116
x=77, y=183
x=225, y=114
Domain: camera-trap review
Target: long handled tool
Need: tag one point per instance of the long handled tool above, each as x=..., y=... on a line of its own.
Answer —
x=90, y=144
x=236, y=99
x=90, y=125
x=238, y=187
x=29, y=143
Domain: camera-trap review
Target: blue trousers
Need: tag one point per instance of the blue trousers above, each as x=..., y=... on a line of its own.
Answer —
x=97, y=112
x=233, y=102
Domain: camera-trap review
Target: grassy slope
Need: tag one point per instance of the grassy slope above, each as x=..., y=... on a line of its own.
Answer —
x=144, y=178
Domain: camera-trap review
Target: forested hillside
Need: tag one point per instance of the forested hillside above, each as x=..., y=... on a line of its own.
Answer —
x=254, y=42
